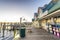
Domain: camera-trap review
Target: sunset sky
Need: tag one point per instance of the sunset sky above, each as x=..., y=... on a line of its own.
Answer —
x=11, y=11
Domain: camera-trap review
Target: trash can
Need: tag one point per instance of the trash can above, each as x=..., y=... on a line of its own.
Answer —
x=22, y=32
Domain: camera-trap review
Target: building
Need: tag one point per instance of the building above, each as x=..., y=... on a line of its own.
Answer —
x=35, y=21
x=49, y=17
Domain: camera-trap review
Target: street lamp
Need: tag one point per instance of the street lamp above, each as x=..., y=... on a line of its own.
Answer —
x=3, y=29
x=20, y=21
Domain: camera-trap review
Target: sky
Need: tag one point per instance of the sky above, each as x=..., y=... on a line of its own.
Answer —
x=12, y=10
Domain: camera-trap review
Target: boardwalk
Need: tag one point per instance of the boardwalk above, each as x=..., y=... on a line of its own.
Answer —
x=39, y=34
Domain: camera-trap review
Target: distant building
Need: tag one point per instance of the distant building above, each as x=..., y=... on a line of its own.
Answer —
x=35, y=15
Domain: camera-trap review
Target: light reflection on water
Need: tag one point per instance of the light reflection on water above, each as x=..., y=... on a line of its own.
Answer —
x=7, y=32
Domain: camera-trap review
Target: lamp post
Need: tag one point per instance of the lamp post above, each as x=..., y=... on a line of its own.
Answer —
x=3, y=29
x=0, y=27
x=22, y=28
x=20, y=21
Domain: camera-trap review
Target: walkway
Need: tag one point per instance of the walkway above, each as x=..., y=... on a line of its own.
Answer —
x=7, y=35
x=39, y=34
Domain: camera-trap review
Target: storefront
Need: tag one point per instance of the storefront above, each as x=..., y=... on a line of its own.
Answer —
x=51, y=23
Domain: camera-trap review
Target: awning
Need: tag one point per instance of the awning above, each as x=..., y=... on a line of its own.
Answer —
x=54, y=14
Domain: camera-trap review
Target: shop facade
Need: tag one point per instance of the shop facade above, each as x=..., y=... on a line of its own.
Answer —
x=50, y=18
